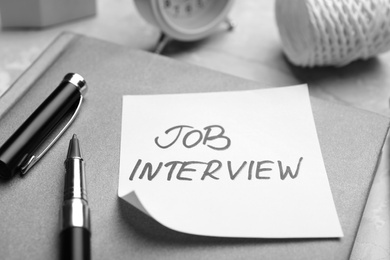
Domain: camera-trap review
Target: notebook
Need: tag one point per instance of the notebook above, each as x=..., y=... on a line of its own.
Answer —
x=350, y=140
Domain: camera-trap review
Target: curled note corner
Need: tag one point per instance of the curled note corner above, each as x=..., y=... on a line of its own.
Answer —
x=133, y=199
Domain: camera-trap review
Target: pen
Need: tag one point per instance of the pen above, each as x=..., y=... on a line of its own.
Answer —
x=17, y=154
x=75, y=220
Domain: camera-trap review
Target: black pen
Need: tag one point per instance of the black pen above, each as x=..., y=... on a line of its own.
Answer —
x=75, y=214
x=19, y=153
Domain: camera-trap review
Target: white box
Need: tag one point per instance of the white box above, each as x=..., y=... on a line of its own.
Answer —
x=42, y=13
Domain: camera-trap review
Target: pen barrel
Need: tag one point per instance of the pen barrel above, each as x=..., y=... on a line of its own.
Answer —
x=75, y=244
x=20, y=146
x=75, y=213
x=75, y=233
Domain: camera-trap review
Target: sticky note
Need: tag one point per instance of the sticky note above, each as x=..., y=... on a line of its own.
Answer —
x=227, y=164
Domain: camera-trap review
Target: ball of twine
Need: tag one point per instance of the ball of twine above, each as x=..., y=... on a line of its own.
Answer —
x=333, y=32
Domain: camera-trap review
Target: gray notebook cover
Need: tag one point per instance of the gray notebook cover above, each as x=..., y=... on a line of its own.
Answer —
x=350, y=140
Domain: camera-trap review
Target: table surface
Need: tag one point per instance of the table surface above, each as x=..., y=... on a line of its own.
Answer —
x=253, y=50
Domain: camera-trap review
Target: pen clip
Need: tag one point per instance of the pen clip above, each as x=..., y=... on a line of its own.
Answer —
x=34, y=159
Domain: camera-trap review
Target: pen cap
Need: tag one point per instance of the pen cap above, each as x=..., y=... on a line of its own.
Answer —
x=76, y=80
x=19, y=148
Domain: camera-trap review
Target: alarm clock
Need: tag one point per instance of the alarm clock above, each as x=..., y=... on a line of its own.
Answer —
x=184, y=20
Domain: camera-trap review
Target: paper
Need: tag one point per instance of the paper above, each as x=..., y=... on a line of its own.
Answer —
x=227, y=164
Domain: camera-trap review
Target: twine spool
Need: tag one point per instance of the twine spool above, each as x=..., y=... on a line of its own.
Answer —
x=333, y=32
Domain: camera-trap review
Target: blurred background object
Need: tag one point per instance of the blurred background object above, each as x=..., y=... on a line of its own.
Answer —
x=184, y=20
x=42, y=13
x=333, y=32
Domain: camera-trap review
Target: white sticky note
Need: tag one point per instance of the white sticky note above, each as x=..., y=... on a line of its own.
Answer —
x=227, y=164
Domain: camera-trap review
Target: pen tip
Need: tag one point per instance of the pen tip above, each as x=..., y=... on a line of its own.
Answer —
x=74, y=148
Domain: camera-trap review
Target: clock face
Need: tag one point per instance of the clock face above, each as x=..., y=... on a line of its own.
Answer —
x=185, y=20
x=192, y=14
x=185, y=9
